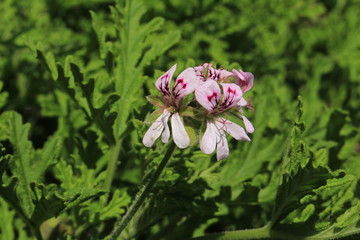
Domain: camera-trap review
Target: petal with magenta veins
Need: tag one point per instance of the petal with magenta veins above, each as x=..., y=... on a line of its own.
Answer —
x=185, y=83
x=208, y=95
x=155, y=129
x=208, y=141
x=163, y=82
x=180, y=136
x=233, y=129
x=232, y=95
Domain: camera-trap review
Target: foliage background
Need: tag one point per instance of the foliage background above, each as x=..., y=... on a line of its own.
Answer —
x=74, y=76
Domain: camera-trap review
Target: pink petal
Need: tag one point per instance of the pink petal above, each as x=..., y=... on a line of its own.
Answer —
x=248, y=125
x=156, y=129
x=208, y=70
x=213, y=74
x=202, y=67
x=185, y=83
x=208, y=141
x=163, y=82
x=222, y=149
x=242, y=102
x=232, y=95
x=244, y=79
x=179, y=133
x=208, y=95
x=233, y=129
x=223, y=74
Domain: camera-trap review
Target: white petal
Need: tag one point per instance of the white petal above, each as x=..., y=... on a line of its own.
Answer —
x=242, y=102
x=248, y=125
x=185, y=83
x=166, y=134
x=208, y=141
x=233, y=129
x=222, y=150
x=163, y=82
x=179, y=133
x=155, y=129
x=208, y=94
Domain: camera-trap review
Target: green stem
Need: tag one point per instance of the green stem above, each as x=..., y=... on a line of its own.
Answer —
x=111, y=167
x=261, y=233
x=37, y=233
x=142, y=194
x=257, y=233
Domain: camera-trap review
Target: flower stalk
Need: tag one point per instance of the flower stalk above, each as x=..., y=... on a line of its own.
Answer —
x=142, y=194
x=111, y=166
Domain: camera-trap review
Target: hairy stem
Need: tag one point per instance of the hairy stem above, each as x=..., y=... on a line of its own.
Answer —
x=142, y=194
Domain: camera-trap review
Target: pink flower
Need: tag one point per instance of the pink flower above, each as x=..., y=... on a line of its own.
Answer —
x=185, y=84
x=207, y=72
x=210, y=97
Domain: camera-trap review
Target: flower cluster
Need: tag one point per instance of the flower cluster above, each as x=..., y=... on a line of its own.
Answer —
x=217, y=94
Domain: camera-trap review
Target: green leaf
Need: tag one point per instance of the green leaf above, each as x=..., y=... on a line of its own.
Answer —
x=103, y=121
x=21, y=161
x=300, y=214
x=102, y=29
x=3, y=95
x=189, y=111
x=139, y=45
x=4, y=160
x=155, y=100
x=49, y=60
x=47, y=156
x=11, y=224
x=311, y=197
x=114, y=208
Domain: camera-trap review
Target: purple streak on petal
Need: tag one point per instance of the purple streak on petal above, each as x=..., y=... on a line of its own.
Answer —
x=163, y=82
x=208, y=95
x=186, y=83
x=232, y=96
